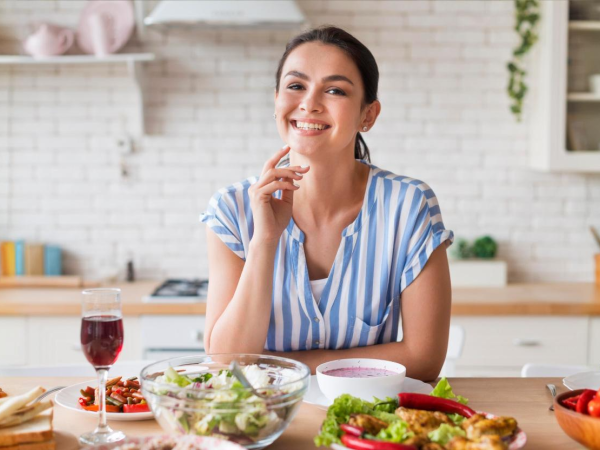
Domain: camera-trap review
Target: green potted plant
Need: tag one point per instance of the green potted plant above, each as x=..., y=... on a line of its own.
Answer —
x=475, y=264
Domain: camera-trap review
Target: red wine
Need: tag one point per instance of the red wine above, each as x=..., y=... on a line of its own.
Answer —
x=102, y=339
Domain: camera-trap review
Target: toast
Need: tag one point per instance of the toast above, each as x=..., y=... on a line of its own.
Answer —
x=46, y=445
x=36, y=431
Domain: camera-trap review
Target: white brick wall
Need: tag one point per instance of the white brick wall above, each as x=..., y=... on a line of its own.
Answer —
x=445, y=119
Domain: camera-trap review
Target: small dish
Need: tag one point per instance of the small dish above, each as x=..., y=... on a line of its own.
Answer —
x=315, y=397
x=580, y=427
x=69, y=397
x=583, y=380
x=366, y=388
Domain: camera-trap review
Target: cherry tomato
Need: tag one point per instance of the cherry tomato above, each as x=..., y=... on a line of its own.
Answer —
x=594, y=408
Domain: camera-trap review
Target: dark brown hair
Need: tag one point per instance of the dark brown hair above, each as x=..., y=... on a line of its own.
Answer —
x=362, y=57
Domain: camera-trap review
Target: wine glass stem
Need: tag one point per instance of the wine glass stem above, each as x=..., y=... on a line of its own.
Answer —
x=102, y=376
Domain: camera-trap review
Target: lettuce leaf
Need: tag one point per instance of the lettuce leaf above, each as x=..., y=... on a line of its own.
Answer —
x=445, y=433
x=172, y=376
x=397, y=432
x=339, y=413
x=443, y=390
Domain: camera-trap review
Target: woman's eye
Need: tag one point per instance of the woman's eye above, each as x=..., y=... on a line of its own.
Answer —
x=337, y=91
x=294, y=86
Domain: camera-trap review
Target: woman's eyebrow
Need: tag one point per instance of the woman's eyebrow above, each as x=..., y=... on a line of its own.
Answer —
x=295, y=73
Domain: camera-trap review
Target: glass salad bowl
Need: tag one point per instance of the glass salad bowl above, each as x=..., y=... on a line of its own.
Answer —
x=198, y=395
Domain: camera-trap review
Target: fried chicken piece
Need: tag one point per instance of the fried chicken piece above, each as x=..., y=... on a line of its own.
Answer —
x=370, y=424
x=420, y=442
x=478, y=426
x=491, y=442
x=431, y=446
x=422, y=422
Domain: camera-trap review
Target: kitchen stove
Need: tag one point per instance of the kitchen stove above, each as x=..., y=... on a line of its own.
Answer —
x=179, y=291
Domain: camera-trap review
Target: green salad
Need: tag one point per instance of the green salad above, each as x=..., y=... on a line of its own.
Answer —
x=216, y=404
x=397, y=430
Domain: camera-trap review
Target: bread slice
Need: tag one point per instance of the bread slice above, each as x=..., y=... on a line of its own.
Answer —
x=46, y=445
x=37, y=430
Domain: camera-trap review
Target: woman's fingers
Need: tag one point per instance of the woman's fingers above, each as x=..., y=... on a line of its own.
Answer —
x=267, y=191
x=272, y=162
x=278, y=174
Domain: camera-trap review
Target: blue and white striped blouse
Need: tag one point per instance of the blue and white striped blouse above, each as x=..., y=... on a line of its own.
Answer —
x=380, y=254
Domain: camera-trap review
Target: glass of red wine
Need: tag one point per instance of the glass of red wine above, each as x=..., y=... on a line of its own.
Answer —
x=101, y=341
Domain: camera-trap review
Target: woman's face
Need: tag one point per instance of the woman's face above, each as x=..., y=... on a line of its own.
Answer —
x=320, y=85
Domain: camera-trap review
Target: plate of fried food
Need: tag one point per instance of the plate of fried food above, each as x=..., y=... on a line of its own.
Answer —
x=416, y=421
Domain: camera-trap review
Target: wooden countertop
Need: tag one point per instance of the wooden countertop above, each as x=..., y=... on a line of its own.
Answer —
x=526, y=399
x=514, y=299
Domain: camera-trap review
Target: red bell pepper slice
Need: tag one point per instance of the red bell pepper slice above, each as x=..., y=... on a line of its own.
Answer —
x=431, y=403
x=109, y=408
x=356, y=443
x=571, y=402
x=585, y=397
x=136, y=408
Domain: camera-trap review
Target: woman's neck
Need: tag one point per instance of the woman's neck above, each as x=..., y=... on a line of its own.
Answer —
x=330, y=189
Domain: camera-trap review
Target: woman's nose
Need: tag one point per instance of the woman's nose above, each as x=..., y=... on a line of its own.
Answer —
x=311, y=102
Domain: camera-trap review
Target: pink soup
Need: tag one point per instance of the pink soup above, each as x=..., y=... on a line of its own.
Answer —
x=359, y=372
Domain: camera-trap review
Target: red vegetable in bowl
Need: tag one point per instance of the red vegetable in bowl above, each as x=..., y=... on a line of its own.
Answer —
x=430, y=403
x=585, y=397
x=594, y=407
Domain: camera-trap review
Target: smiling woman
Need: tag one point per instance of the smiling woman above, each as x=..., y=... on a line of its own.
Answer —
x=327, y=251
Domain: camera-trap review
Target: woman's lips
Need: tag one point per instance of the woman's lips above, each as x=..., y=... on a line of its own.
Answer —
x=313, y=132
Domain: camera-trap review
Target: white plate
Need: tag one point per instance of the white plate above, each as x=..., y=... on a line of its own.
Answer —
x=583, y=380
x=69, y=398
x=314, y=396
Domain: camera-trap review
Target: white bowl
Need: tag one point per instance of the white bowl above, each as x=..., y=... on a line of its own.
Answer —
x=365, y=388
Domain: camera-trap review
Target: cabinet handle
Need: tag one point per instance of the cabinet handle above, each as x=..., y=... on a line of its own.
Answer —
x=198, y=336
x=524, y=342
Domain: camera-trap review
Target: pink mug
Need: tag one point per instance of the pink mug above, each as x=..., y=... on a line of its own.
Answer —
x=49, y=40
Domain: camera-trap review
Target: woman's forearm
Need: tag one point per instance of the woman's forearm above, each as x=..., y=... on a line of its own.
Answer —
x=243, y=326
x=422, y=367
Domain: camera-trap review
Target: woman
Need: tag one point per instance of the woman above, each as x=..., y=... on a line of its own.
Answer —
x=317, y=258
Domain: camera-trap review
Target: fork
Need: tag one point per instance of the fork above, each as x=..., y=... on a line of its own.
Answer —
x=552, y=390
x=48, y=392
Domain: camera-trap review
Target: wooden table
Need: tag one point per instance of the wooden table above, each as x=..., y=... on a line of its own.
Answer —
x=526, y=399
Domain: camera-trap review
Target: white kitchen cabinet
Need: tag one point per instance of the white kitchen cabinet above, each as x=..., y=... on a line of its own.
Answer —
x=55, y=340
x=500, y=346
x=165, y=336
x=565, y=135
x=594, y=343
x=13, y=341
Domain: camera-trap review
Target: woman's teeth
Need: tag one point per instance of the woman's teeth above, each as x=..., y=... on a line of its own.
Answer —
x=310, y=126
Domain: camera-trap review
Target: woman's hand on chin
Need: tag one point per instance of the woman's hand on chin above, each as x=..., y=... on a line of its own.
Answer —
x=272, y=215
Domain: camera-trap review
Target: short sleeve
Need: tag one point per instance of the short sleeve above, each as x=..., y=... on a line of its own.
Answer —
x=427, y=232
x=222, y=218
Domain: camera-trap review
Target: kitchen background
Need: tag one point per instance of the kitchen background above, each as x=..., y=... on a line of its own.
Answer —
x=209, y=104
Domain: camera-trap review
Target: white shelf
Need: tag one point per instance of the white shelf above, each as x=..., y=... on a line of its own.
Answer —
x=77, y=59
x=584, y=25
x=133, y=61
x=583, y=97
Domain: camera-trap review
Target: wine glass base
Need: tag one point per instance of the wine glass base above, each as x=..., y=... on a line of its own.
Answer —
x=99, y=438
